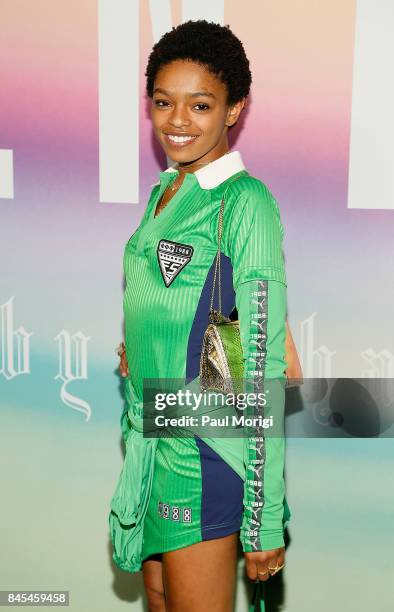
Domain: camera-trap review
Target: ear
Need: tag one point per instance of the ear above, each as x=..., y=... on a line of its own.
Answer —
x=234, y=112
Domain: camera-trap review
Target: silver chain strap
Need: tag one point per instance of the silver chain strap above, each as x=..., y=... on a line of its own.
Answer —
x=218, y=258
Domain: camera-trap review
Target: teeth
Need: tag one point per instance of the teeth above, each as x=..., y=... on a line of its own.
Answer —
x=180, y=138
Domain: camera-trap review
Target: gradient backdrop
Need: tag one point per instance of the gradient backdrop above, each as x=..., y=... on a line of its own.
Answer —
x=62, y=283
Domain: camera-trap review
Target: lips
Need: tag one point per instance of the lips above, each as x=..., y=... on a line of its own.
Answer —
x=179, y=140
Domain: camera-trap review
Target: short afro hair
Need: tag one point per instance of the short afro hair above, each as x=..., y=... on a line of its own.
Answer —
x=209, y=44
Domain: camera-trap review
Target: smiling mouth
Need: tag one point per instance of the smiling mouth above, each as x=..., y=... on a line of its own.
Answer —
x=179, y=140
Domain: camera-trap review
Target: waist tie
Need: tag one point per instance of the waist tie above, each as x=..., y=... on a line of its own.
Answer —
x=130, y=500
x=132, y=493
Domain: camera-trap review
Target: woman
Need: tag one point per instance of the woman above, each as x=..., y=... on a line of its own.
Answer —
x=180, y=507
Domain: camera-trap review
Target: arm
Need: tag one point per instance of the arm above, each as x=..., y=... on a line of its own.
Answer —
x=254, y=241
x=261, y=306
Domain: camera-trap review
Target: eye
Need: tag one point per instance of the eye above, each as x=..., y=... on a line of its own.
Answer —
x=202, y=104
x=160, y=103
x=163, y=103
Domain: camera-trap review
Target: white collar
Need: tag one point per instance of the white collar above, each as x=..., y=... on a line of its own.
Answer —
x=217, y=171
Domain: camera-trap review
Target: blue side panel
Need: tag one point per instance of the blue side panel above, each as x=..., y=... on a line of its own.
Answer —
x=221, y=495
x=200, y=322
x=222, y=488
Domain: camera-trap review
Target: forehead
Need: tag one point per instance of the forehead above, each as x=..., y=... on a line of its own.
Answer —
x=186, y=76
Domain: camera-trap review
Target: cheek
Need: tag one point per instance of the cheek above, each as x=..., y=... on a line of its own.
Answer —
x=211, y=124
x=156, y=118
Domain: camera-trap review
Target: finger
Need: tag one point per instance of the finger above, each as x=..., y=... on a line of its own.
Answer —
x=263, y=572
x=264, y=566
x=276, y=562
x=251, y=569
x=281, y=557
x=126, y=367
x=123, y=366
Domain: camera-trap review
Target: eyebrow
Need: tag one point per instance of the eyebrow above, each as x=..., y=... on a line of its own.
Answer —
x=195, y=94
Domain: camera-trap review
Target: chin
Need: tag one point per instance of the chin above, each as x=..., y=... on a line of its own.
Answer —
x=183, y=156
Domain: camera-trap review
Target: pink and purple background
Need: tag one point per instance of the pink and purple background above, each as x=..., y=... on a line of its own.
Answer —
x=61, y=254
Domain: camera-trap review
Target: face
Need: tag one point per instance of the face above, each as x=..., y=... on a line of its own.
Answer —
x=189, y=112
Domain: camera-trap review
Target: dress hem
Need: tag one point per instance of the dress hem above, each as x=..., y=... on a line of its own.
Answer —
x=231, y=528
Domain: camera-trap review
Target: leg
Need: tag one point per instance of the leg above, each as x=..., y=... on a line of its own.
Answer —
x=202, y=576
x=153, y=583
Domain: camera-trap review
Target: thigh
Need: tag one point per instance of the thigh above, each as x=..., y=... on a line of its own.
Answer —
x=202, y=576
x=153, y=583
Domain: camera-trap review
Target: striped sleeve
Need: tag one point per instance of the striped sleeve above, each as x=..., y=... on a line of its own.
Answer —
x=261, y=306
x=254, y=240
x=255, y=234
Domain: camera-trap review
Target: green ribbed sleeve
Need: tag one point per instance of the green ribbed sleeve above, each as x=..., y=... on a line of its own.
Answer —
x=262, y=307
x=255, y=234
x=254, y=242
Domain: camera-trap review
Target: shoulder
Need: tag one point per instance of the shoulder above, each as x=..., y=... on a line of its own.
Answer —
x=249, y=196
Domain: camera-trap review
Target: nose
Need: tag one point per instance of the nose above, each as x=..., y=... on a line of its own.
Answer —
x=179, y=116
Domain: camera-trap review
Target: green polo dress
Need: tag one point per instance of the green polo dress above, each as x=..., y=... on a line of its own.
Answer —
x=204, y=488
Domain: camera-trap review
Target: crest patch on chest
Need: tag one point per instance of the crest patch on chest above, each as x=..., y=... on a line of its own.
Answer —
x=172, y=258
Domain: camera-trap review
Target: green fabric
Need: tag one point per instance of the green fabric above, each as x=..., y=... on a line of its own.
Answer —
x=156, y=346
x=263, y=306
x=251, y=235
x=131, y=497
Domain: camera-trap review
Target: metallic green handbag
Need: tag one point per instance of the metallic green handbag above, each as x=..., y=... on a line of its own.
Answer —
x=221, y=361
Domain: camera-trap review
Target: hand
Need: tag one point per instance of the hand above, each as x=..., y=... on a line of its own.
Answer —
x=123, y=365
x=293, y=372
x=260, y=562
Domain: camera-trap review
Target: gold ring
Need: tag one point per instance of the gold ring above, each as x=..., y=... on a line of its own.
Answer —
x=276, y=569
x=262, y=573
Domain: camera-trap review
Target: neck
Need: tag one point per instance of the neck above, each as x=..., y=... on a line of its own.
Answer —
x=192, y=166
